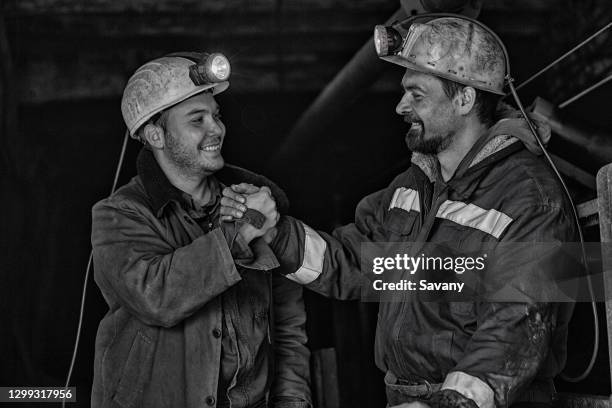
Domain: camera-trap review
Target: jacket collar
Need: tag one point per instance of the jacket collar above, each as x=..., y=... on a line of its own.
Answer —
x=161, y=191
x=156, y=184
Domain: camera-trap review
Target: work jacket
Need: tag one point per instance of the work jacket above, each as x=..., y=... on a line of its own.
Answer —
x=173, y=289
x=501, y=193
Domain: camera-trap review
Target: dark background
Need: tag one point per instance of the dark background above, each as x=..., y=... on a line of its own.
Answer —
x=64, y=64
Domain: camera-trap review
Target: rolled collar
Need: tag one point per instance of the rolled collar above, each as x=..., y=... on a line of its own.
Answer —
x=158, y=187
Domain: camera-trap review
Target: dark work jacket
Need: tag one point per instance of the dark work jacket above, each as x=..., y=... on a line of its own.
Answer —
x=163, y=278
x=501, y=193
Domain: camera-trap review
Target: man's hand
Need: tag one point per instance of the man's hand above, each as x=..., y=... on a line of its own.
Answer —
x=233, y=200
x=239, y=197
x=263, y=202
x=415, y=404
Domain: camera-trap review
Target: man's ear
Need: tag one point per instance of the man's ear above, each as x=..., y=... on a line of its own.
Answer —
x=154, y=135
x=466, y=98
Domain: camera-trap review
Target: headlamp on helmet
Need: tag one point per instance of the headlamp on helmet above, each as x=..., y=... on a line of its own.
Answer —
x=387, y=40
x=210, y=68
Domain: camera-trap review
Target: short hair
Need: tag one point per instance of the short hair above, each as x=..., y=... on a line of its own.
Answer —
x=485, y=103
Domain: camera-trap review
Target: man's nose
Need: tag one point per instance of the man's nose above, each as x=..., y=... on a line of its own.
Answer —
x=403, y=107
x=214, y=128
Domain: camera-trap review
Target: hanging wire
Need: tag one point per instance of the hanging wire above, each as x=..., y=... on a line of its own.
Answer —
x=562, y=57
x=86, y=279
x=513, y=91
x=589, y=367
x=586, y=91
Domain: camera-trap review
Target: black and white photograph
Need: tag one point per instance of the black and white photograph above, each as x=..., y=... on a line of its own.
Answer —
x=306, y=203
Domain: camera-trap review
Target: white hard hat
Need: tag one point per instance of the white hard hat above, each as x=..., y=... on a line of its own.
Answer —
x=166, y=81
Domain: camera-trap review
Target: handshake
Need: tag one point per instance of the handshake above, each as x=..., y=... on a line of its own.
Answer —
x=239, y=198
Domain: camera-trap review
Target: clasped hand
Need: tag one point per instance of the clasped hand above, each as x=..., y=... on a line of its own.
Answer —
x=240, y=197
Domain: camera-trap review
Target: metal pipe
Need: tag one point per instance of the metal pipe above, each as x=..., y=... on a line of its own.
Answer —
x=355, y=78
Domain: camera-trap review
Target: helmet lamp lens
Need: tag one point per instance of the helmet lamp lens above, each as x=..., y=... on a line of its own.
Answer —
x=219, y=67
x=380, y=40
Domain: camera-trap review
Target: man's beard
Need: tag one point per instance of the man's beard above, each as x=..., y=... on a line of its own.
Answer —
x=416, y=142
x=186, y=160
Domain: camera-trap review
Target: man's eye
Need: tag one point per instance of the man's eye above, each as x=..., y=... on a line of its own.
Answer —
x=417, y=97
x=196, y=120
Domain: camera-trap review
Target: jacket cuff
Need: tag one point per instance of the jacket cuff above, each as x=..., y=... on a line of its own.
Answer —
x=313, y=257
x=470, y=387
x=257, y=255
x=279, y=243
x=239, y=248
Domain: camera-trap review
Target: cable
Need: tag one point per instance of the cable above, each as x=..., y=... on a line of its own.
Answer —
x=587, y=371
x=561, y=58
x=120, y=164
x=86, y=279
x=586, y=91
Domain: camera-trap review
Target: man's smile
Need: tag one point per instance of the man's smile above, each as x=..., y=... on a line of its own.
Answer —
x=211, y=147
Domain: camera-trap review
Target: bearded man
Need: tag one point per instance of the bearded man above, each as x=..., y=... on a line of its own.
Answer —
x=194, y=318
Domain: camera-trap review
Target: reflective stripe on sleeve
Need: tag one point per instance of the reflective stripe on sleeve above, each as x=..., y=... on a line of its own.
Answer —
x=470, y=387
x=314, y=255
x=491, y=221
x=406, y=199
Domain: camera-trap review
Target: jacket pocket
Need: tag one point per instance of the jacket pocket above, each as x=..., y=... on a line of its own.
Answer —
x=466, y=310
x=400, y=223
x=426, y=355
x=136, y=371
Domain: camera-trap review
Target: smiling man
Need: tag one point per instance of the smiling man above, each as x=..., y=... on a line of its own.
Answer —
x=476, y=183
x=193, y=316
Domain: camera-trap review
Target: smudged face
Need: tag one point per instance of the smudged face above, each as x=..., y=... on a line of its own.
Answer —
x=194, y=136
x=431, y=114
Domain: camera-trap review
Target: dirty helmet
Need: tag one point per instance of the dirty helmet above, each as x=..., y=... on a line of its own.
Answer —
x=163, y=82
x=453, y=48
